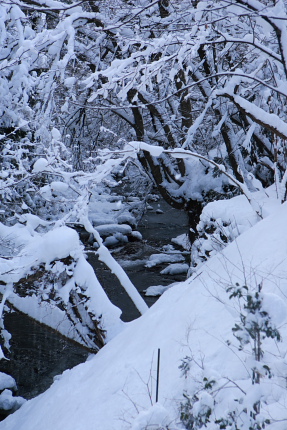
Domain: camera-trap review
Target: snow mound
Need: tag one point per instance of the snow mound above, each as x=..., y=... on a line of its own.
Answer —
x=55, y=244
x=155, y=418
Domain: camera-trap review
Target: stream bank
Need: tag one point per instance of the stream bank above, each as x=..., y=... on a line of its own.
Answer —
x=39, y=353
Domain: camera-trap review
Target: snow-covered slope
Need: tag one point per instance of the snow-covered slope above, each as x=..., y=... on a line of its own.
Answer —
x=116, y=388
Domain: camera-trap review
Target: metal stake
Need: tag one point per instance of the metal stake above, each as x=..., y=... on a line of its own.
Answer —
x=157, y=374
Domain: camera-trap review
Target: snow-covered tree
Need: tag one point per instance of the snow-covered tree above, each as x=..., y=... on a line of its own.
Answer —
x=208, y=76
x=200, y=86
x=51, y=168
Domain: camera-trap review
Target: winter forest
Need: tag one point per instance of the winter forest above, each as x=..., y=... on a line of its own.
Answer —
x=110, y=109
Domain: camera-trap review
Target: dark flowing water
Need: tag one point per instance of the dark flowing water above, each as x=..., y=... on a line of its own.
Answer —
x=157, y=230
x=39, y=353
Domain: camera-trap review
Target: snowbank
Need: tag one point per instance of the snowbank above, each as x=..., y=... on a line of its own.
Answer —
x=223, y=221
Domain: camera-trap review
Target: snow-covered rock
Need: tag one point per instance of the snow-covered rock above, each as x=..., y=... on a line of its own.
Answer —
x=6, y=381
x=10, y=403
x=156, y=259
x=175, y=269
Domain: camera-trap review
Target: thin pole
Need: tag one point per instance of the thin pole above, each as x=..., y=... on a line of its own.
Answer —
x=157, y=374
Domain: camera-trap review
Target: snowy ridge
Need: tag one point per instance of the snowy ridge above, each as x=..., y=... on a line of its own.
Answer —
x=115, y=388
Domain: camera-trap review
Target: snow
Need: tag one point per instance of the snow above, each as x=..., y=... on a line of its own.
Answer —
x=158, y=290
x=136, y=235
x=114, y=390
x=8, y=402
x=6, y=381
x=156, y=259
x=262, y=117
x=32, y=222
x=40, y=165
x=69, y=82
x=106, y=257
x=126, y=218
x=56, y=135
x=276, y=308
x=154, y=418
x=59, y=186
x=195, y=316
x=114, y=240
x=224, y=220
x=108, y=229
x=182, y=240
x=175, y=269
x=155, y=151
x=35, y=249
x=56, y=244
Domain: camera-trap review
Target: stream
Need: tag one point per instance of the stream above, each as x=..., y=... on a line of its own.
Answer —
x=38, y=353
x=157, y=230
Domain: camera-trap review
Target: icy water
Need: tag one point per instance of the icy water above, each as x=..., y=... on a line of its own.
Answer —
x=39, y=353
x=157, y=230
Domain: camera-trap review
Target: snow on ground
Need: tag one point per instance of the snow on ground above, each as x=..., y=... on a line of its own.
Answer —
x=115, y=389
x=223, y=221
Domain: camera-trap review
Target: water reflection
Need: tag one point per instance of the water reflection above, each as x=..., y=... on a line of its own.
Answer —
x=37, y=354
